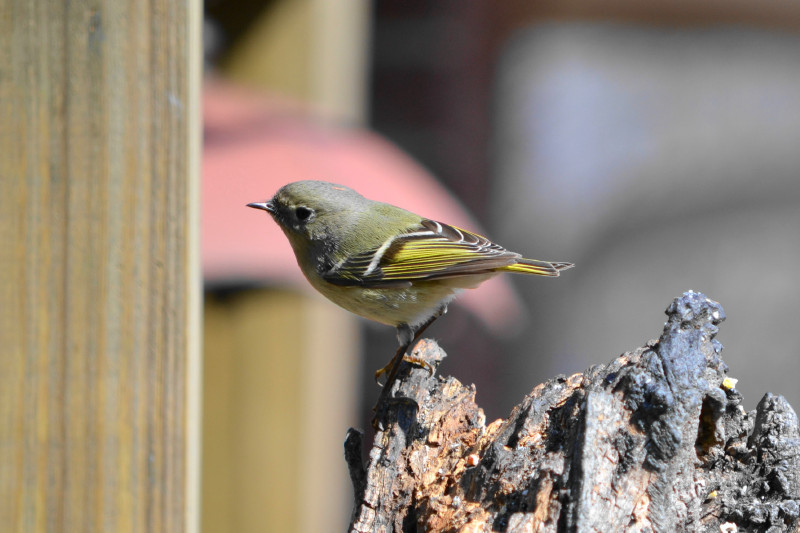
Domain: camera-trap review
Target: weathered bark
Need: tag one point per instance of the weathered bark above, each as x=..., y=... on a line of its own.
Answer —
x=656, y=440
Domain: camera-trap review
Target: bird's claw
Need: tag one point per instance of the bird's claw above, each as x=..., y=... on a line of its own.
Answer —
x=408, y=359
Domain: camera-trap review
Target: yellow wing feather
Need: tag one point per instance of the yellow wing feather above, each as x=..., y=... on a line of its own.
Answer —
x=431, y=251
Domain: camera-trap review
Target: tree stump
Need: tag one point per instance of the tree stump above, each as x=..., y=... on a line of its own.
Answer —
x=656, y=440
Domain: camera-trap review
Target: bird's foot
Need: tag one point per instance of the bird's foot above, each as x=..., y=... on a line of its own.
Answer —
x=419, y=361
x=408, y=359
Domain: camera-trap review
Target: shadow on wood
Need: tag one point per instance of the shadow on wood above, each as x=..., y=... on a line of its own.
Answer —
x=655, y=440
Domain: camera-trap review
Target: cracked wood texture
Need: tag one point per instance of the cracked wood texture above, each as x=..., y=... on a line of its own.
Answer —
x=99, y=265
x=656, y=440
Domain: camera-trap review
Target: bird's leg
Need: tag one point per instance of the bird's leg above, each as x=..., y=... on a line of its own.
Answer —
x=404, y=331
x=408, y=356
x=393, y=364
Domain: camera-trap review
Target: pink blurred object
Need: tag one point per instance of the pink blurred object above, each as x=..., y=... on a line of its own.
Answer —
x=254, y=144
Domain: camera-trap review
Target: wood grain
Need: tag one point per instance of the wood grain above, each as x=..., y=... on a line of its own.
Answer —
x=280, y=383
x=99, y=327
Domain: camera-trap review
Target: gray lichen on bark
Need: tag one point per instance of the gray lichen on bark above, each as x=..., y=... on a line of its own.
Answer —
x=655, y=440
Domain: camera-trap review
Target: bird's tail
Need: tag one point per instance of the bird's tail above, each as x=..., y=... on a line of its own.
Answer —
x=539, y=268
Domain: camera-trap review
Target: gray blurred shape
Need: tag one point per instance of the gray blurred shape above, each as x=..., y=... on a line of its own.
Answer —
x=658, y=160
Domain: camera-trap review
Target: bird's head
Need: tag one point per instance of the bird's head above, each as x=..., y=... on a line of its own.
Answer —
x=309, y=210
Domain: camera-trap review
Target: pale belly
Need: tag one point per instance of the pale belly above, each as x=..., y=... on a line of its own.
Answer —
x=394, y=306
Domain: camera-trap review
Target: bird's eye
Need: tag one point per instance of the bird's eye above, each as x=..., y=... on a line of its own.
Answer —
x=303, y=213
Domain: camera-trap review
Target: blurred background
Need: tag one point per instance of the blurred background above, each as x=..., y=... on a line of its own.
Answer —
x=656, y=145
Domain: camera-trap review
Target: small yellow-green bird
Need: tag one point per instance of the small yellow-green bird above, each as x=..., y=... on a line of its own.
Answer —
x=385, y=263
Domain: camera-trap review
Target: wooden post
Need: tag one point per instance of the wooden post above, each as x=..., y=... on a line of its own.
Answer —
x=99, y=270
x=279, y=389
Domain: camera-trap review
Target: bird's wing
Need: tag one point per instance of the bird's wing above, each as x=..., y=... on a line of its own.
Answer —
x=432, y=250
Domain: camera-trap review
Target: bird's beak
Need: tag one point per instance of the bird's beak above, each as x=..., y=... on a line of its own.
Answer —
x=266, y=206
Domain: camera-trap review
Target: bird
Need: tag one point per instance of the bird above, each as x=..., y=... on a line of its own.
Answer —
x=385, y=263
